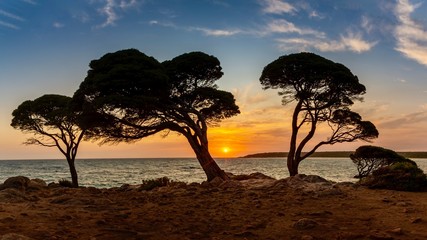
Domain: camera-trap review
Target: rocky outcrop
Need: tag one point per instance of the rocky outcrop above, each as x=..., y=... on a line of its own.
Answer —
x=22, y=183
x=308, y=184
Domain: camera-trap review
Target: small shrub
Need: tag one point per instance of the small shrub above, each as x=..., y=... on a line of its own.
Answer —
x=151, y=184
x=401, y=176
x=371, y=158
x=66, y=183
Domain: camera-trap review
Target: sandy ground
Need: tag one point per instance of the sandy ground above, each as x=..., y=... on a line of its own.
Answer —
x=298, y=208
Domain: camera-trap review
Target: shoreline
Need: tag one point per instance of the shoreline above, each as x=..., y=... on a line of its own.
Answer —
x=332, y=154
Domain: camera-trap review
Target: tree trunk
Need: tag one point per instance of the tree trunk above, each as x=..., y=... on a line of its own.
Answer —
x=73, y=171
x=211, y=168
x=292, y=167
x=291, y=161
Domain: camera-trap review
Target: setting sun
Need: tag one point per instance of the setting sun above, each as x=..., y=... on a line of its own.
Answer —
x=225, y=150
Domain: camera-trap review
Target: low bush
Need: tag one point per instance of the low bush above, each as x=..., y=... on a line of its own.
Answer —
x=66, y=183
x=151, y=184
x=370, y=158
x=401, y=176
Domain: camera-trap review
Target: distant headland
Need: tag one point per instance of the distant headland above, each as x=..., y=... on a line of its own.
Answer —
x=330, y=154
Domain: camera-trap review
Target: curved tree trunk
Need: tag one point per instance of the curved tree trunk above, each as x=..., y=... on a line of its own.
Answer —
x=292, y=162
x=73, y=171
x=211, y=168
x=199, y=144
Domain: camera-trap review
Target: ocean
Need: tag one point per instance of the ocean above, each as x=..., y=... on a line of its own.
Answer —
x=106, y=173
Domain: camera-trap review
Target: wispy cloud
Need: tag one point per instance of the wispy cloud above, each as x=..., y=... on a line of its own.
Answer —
x=216, y=32
x=411, y=36
x=315, y=14
x=367, y=24
x=58, y=25
x=283, y=26
x=10, y=19
x=8, y=25
x=411, y=119
x=11, y=16
x=355, y=42
x=111, y=9
x=128, y=4
x=309, y=38
x=205, y=31
x=277, y=7
x=351, y=42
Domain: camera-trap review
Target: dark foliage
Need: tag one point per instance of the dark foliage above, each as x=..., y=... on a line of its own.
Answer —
x=66, y=183
x=401, y=176
x=151, y=184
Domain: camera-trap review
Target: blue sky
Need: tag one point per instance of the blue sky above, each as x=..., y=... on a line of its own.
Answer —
x=46, y=46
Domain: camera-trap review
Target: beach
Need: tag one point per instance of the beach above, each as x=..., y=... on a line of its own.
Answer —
x=248, y=207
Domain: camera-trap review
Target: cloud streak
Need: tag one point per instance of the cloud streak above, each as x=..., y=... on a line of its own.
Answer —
x=111, y=9
x=411, y=36
x=217, y=32
x=352, y=42
x=283, y=26
x=277, y=7
x=10, y=15
x=205, y=31
x=309, y=38
x=9, y=25
x=411, y=119
x=288, y=35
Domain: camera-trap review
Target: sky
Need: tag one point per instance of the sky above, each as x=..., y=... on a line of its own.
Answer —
x=46, y=46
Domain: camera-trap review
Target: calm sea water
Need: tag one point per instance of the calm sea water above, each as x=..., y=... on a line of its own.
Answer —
x=104, y=173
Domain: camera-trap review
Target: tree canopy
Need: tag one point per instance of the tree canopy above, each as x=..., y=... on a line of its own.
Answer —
x=52, y=122
x=323, y=91
x=134, y=96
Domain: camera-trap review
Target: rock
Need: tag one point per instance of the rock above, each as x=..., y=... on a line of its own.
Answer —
x=36, y=184
x=304, y=224
x=14, y=236
x=19, y=182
